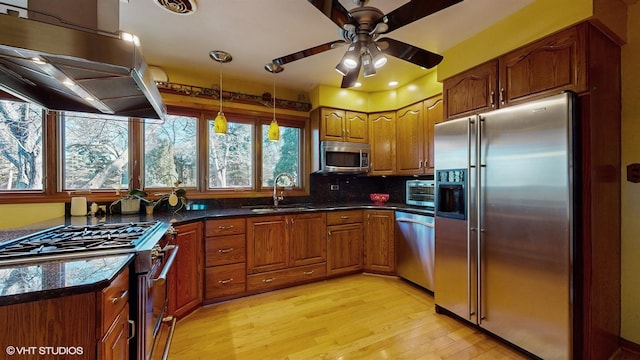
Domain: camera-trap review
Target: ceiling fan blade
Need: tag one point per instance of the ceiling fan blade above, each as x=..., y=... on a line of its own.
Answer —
x=414, y=10
x=333, y=10
x=351, y=78
x=308, y=52
x=409, y=53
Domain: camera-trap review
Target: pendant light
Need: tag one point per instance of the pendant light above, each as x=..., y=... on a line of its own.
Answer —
x=220, y=123
x=274, y=129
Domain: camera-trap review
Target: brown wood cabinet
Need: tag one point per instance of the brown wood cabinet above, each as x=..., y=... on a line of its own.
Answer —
x=414, y=136
x=379, y=241
x=340, y=125
x=267, y=243
x=114, y=316
x=345, y=232
x=225, y=258
x=382, y=138
x=115, y=343
x=285, y=249
x=92, y=325
x=585, y=60
x=548, y=66
x=185, y=277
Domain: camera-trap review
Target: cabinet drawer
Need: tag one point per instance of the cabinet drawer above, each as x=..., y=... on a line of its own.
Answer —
x=224, y=250
x=344, y=217
x=225, y=280
x=225, y=227
x=113, y=299
x=274, y=279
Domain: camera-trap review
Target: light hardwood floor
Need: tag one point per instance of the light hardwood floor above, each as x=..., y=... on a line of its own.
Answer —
x=354, y=317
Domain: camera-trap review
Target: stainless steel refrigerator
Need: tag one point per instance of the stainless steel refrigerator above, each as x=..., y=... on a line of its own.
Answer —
x=504, y=223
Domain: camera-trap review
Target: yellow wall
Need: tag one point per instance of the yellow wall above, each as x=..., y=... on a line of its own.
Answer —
x=534, y=21
x=16, y=215
x=417, y=90
x=631, y=191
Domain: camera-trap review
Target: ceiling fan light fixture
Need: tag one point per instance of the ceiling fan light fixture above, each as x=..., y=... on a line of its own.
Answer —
x=352, y=57
x=342, y=69
x=367, y=64
x=379, y=59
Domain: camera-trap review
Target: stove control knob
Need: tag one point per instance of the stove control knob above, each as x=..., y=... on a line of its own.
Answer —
x=156, y=252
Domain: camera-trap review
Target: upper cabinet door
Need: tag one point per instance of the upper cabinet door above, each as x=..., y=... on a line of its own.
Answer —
x=356, y=127
x=382, y=138
x=433, y=113
x=332, y=124
x=545, y=67
x=410, y=136
x=472, y=91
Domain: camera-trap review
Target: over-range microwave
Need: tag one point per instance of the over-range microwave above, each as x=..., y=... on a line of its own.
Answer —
x=344, y=157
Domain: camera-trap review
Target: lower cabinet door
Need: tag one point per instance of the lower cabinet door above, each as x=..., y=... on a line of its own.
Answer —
x=115, y=343
x=225, y=280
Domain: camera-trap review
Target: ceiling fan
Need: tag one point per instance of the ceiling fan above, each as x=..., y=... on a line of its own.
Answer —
x=360, y=28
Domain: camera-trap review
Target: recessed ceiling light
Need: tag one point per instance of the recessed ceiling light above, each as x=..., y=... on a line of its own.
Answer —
x=393, y=83
x=358, y=84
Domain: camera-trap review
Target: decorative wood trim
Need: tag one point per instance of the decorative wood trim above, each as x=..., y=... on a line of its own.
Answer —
x=202, y=92
x=629, y=345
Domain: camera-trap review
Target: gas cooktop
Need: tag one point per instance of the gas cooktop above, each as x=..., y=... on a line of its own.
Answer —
x=73, y=240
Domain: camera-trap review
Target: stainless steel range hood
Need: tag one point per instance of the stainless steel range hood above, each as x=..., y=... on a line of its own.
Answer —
x=66, y=69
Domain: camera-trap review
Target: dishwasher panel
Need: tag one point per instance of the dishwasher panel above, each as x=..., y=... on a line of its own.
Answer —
x=415, y=248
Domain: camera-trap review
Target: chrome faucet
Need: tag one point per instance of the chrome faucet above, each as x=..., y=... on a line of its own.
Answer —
x=277, y=198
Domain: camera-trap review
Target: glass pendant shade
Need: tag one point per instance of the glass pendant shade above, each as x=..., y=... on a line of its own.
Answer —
x=220, y=124
x=274, y=131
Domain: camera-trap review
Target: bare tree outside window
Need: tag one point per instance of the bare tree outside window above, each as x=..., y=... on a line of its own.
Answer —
x=282, y=156
x=21, y=165
x=170, y=152
x=96, y=152
x=231, y=156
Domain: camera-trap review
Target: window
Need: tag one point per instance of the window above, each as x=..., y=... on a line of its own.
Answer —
x=95, y=152
x=231, y=156
x=281, y=156
x=21, y=146
x=170, y=152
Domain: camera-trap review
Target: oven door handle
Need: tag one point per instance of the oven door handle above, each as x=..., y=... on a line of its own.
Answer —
x=172, y=327
x=162, y=278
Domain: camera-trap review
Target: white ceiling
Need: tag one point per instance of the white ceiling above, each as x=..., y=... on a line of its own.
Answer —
x=256, y=31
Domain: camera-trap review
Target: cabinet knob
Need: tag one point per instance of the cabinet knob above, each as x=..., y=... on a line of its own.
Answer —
x=225, y=281
x=225, y=251
x=269, y=280
x=308, y=272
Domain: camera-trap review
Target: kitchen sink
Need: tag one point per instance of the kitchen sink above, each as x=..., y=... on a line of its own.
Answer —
x=280, y=208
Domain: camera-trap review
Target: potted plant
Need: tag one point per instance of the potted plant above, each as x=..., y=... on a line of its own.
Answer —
x=177, y=198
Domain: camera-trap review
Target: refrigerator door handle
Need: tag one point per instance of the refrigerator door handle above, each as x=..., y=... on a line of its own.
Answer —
x=470, y=228
x=479, y=218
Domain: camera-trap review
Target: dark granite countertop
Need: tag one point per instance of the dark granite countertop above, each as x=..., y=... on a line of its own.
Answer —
x=37, y=281
x=20, y=283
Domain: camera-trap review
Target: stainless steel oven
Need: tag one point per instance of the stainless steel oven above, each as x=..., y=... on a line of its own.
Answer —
x=420, y=193
x=152, y=300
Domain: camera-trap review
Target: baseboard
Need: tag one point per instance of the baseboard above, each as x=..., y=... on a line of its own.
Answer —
x=630, y=346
